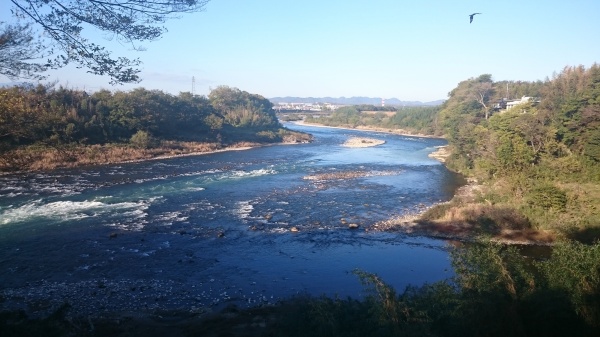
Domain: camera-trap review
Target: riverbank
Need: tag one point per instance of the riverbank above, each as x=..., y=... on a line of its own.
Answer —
x=42, y=158
x=465, y=219
x=50, y=158
x=399, y=132
x=36, y=158
x=441, y=153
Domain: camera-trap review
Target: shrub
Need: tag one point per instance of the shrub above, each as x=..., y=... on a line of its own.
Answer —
x=267, y=136
x=437, y=211
x=141, y=140
x=575, y=270
x=548, y=197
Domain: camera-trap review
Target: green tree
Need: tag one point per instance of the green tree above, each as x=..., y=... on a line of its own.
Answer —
x=592, y=146
x=142, y=140
x=242, y=109
x=482, y=91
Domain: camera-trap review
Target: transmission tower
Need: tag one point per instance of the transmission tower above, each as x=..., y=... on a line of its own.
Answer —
x=193, y=85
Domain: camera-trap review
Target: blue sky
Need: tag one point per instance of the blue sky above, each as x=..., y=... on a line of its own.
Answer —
x=411, y=50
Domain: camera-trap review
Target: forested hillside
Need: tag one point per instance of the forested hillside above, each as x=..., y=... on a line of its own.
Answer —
x=539, y=162
x=72, y=126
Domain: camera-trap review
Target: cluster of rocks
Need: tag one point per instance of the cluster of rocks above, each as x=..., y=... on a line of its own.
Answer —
x=343, y=175
x=337, y=175
x=101, y=297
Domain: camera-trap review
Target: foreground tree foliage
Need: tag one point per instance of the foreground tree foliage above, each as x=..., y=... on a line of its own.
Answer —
x=41, y=118
x=63, y=40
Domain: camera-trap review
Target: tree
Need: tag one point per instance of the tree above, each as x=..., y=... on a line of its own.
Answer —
x=18, y=51
x=483, y=90
x=63, y=22
x=242, y=109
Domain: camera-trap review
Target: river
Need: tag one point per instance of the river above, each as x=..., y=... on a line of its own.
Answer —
x=199, y=232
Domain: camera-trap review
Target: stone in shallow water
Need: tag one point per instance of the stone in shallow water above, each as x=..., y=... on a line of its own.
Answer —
x=363, y=142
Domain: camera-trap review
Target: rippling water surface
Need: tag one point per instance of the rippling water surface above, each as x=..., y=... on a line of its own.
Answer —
x=197, y=232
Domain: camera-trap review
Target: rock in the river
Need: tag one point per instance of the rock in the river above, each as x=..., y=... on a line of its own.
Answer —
x=363, y=142
x=353, y=226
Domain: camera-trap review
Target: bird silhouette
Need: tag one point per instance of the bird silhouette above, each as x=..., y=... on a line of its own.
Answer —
x=471, y=17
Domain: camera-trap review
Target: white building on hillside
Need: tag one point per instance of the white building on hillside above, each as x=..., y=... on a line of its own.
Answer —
x=524, y=99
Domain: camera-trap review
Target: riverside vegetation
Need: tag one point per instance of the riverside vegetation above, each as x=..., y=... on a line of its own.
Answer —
x=44, y=128
x=537, y=169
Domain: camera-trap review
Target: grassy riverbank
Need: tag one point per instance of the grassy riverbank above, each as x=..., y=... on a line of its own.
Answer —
x=41, y=158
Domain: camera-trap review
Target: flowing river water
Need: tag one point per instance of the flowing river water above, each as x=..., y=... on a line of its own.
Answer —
x=243, y=227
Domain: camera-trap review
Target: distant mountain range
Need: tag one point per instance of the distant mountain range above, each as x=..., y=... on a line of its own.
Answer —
x=352, y=101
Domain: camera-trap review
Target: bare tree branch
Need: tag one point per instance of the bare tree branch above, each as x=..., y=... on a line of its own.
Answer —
x=131, y=21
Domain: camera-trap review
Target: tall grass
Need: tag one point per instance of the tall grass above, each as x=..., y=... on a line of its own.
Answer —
x=34, y=158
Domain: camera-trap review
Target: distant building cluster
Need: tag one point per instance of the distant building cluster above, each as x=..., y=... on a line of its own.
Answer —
x=305, y=106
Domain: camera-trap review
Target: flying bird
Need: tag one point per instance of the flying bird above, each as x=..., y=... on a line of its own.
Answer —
x=471, y=17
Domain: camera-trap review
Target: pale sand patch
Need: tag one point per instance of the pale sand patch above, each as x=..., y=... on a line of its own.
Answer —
x=442, y=153
x=363, y=142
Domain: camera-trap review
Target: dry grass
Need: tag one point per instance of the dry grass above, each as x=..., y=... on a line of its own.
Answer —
x=386, y=113
x=36, y=158
x=469, y=216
